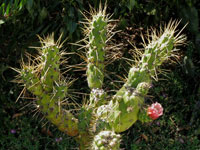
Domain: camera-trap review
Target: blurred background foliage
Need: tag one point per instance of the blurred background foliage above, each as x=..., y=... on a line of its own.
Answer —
x=22, y=20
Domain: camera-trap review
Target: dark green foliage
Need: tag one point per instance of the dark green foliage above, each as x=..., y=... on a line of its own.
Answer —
x=29, y=18
x=10, y=8
x=30, y=136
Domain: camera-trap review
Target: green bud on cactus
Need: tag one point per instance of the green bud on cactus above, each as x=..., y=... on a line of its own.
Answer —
x=106, y=140
x=97, y=98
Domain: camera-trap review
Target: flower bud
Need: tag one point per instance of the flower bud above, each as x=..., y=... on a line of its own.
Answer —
x=155, y=111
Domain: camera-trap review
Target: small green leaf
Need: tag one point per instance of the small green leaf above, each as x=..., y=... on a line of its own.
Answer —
x=21, y=4
x=29, y=5
x=131, y=4
x=8, y=9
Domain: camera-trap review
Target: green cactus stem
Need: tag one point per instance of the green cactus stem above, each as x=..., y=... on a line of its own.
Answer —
x=63, y=119
x=45, y=82
x=97, y=35
x=122, y=111
x=96, y=53
x=50, y=59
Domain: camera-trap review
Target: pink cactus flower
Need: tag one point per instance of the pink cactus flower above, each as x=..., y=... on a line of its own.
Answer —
x=155, y=111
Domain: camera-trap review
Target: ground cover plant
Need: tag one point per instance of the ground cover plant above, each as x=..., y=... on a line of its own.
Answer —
x=176, y=129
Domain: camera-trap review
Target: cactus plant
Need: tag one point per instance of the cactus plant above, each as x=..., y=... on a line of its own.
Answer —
x=98, y=123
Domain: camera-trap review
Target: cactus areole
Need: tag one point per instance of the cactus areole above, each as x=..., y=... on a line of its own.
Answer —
x=98, y=123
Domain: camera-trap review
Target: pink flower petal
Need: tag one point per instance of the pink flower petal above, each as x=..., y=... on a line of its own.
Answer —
x=155, y=111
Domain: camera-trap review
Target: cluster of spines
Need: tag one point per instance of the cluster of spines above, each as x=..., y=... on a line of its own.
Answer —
x=97, y=98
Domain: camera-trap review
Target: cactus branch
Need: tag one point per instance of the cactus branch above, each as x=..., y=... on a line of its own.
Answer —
x=122, y=111
x=96, y=53
x=43, y=79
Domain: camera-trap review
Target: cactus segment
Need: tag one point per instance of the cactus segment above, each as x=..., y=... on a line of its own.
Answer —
x=96, y=53
x=160, y=48
x=137, y=76
x=43, y=80
x=63, y=119
x=143, y=88
x=126, y=106
x=49, y=104
x=94, y=76
x=106, y=140
x=85, y=117
x=124, y=112
x=157, y=52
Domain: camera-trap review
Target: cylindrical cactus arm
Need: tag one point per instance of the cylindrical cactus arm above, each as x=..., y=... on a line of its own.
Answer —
x=96, y=53
x=50, y=62
x=97, y=35
x=159, y=49
x=43, y=79
x=123, y=109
